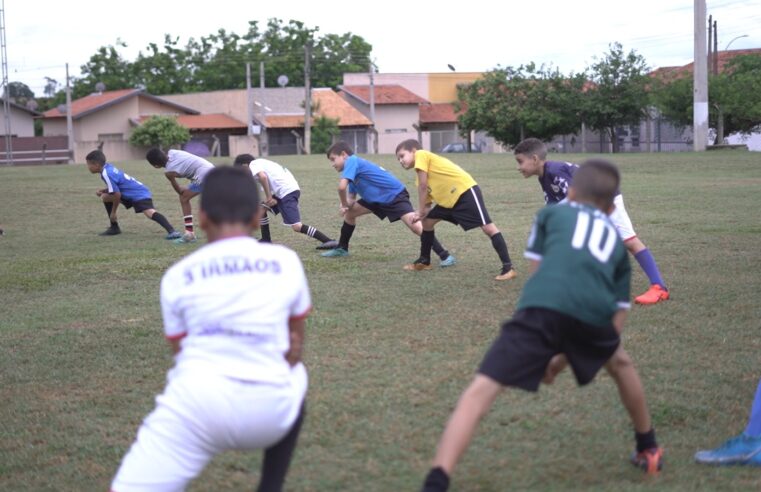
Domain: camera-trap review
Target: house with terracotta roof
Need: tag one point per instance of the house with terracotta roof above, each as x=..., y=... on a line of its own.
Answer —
x=277, y=115
x=396, y=112
x=107, y=119
x=21, y=118
x=436, y=122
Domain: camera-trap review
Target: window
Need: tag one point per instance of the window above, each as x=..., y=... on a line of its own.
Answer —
x=110, y=137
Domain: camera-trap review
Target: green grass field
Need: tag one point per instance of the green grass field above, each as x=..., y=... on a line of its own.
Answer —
x=82, y=354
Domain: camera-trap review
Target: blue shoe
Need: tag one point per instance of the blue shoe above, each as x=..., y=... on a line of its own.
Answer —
x=330, y=244
x=450, y=261
x=186, y=238
x=736, y=451
x=173, y=235
x=333, y=253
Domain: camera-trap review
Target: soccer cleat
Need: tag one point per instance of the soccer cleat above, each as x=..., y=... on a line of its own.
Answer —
x=173, y=235
x=186, y=238
x=736, y=451
x=508, y=275
x=654, y=295
x=111, y=231
x=331, y=244
x=448, y=261
x=418, y=265
x=649, y=460
x=334, y=253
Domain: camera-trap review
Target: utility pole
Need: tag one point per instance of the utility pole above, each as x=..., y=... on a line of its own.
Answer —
x=69, y=123
x=715, y=49
x=373, y=131
x=6, y=89
x=700, y=79
x=263, y=140
x=710, y=44
x=249, y=102
x=307, y=99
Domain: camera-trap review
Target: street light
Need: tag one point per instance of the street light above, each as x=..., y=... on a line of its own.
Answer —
x=735, y=39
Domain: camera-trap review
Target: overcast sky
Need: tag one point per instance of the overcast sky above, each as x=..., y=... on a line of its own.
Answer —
x=407, y=36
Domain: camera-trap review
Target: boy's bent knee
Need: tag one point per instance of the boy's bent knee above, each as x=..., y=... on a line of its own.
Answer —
x=620, y=361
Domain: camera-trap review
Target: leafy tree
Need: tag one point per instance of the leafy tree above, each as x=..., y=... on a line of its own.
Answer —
x=217, y=61
x=510, y=104
x=106, y=66
x=734, y=97
x=18, y=92
x=51, y=87
x=618, y=95
x=160, y=131
x=324, y=129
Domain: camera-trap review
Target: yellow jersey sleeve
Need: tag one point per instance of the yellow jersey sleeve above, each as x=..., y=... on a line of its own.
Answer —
x=446, y=180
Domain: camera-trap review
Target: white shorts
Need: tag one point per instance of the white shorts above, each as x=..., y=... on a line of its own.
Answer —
x=198, y=416
x=621, y=219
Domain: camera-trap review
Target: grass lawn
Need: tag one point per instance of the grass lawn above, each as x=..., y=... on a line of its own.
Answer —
x=82, y=354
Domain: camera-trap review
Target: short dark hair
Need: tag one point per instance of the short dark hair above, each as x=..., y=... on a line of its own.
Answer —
x=243, y=159
x=339, y=147
x=409, y=145
x=156, y=157
x=598, y=181
x=96, y=156
x=230, y=196
x=530, y=146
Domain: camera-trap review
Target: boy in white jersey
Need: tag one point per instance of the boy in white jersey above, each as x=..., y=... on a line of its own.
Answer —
x=234, y=313
x=181, y=164
x=281, y=196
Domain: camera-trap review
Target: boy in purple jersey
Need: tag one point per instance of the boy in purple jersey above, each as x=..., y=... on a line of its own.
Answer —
x=123, y=189
x=555, y=177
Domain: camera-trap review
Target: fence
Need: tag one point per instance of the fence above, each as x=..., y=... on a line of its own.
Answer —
x=36, y=150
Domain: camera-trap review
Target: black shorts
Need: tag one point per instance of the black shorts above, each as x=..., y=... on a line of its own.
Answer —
x=469, y=212
x=139, y=205
x=520, y=354
x=288, y=208
x=394, y=210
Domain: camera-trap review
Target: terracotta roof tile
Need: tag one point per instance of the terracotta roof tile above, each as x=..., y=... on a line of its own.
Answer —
x=88, y=103
x=334, y=106
x=384, y=94
x=438, y=113
x=686, y=70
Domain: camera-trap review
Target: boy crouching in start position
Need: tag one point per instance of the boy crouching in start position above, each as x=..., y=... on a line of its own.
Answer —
x=234, y=313
x=572, y=310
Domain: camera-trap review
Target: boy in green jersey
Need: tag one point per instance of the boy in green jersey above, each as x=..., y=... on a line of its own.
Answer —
x=572, y=310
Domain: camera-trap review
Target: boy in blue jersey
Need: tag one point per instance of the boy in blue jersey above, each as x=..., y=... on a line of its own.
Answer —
x=123, y=189
x=573, y=305
x=555, y=177
x=381, y=194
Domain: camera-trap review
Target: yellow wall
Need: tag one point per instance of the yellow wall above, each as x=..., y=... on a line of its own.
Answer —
x=442, y=87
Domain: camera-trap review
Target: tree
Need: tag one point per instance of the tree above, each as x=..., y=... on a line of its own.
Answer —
x=217, y=61
x=734, y=97
x=618, y=95
x=511, y=104
x=106, y=66
x=159, y=131
x=18, y=92
x=324, y=129
x=51, y=87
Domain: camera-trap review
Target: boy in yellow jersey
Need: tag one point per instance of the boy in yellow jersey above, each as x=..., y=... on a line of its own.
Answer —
x=447, y=192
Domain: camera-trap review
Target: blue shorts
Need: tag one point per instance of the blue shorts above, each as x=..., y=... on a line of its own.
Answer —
x=288, y=208
x=196, y=186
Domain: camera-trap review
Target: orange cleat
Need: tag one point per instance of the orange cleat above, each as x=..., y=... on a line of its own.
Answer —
x=654, y=295
x=417, y=266
x=508, y=275
x=649, y=460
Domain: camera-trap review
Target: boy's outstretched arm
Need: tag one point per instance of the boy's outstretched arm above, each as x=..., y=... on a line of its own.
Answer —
x=422, y=191
x=343, y=195
x=265, y=182
x=172, y=177
x=296, y=332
